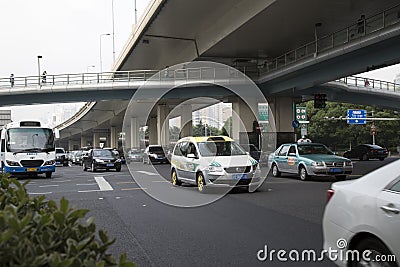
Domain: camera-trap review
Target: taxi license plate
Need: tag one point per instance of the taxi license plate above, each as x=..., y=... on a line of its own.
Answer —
x=31, y=169
x=110, y=164
x=239, y=176
x=335, y=170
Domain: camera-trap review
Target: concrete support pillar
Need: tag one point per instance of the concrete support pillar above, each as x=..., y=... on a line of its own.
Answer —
x=282, y=108
x=134, y=133
x=96, y=140
x=113, y=137
x=83, y=141
x=163, y=124
x=153, y=131
x=186, y=121
x=242, y=118
x=70, y=145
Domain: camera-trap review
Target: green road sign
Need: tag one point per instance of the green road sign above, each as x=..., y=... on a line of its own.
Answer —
x=263, y=113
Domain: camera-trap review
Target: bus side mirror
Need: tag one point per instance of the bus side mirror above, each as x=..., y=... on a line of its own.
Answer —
x=57, y=133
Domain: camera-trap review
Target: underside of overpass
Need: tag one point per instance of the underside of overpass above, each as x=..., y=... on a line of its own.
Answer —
x=247, y=34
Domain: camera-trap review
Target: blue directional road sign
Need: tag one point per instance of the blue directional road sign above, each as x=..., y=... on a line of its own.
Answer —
x=356, y=116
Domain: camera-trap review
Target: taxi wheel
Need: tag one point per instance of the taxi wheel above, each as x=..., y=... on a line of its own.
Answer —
x=174, y=178
x=201, y=184
x=303, y=174
x=275, y=171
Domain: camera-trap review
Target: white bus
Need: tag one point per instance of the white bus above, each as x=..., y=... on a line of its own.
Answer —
x=27, y=147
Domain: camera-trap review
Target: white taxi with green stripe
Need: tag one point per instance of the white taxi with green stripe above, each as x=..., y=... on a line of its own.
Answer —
x=213, y=161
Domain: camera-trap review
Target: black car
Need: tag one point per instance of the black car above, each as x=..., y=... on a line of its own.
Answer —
x=154, y=154
x=98, y=158
x=366, y=152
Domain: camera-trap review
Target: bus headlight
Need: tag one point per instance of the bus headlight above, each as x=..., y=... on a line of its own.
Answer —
x=12, y=163
x=50, y=162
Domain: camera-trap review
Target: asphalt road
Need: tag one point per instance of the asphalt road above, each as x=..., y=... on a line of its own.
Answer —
x=284, y=213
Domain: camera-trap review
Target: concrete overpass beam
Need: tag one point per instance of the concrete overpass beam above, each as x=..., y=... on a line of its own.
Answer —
x=242, y=118
x=96, y=139
x=113, y=137
x=163, y=124
x=282, y=108
x=83, y=141
x=153, y=131
x=186, y=121
x=134, y=133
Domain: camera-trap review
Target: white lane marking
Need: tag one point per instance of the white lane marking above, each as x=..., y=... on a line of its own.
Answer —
x=163, y=181
x=61, y=181
x=50, y=185
x=87, y=184
x=86, y=191
x=103, y=184
x=148, y=173
x=44, y=193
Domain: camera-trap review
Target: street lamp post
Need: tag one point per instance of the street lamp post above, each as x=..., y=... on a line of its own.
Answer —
x=317, y=25
x=101, y=62
x=113, y=37
x=38, y=60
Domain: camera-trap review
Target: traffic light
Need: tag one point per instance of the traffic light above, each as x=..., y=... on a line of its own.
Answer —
x=319, y=100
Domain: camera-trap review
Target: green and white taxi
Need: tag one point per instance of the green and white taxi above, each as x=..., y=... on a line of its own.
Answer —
x=309, y=159
x=213, y=161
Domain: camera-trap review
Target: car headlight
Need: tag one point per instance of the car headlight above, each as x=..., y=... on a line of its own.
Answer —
x=318, y=164
x=99, y=160
x=348, y=163
x=215, y=169
x=12, y=163
x=50, y=162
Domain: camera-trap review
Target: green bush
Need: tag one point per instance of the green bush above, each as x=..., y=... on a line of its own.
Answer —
x=36, y=232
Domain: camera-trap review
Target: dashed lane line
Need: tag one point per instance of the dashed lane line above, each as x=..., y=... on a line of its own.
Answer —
x=148, y=173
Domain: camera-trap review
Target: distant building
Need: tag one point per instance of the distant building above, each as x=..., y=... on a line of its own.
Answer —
x=5, y=117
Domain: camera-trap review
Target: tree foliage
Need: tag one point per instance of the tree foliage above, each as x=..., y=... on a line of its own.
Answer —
x=338, y=135
x=37, y=232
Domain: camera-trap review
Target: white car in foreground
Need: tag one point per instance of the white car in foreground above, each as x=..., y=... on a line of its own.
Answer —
x=362, y=217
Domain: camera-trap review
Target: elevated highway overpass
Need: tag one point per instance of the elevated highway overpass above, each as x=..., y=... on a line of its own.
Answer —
x=108, y=96
x=313, y=44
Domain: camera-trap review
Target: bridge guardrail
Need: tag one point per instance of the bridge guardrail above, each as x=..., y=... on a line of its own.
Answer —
x=169, y=74
x=368, y=83
x=349, y=34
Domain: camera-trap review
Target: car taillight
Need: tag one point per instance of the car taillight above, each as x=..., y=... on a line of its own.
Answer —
x=373, y=150
x=330, y=194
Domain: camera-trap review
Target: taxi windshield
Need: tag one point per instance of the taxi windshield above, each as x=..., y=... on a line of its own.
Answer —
x=220, y=148
x=313, y=149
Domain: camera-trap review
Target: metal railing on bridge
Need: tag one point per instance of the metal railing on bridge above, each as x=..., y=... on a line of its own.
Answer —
x=368, y=83
x=182, y=74
x=352, y=33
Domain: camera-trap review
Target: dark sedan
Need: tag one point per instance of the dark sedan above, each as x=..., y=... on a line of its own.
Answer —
x=154, y=154
x=104, y=159
x=366, y=152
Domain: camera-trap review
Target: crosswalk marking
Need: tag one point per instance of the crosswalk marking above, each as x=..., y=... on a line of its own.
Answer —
x=103, y=184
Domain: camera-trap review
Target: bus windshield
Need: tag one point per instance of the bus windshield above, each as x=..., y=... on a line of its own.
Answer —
x=30, y=140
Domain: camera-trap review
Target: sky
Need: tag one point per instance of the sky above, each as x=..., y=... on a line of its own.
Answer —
x=66, y=33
